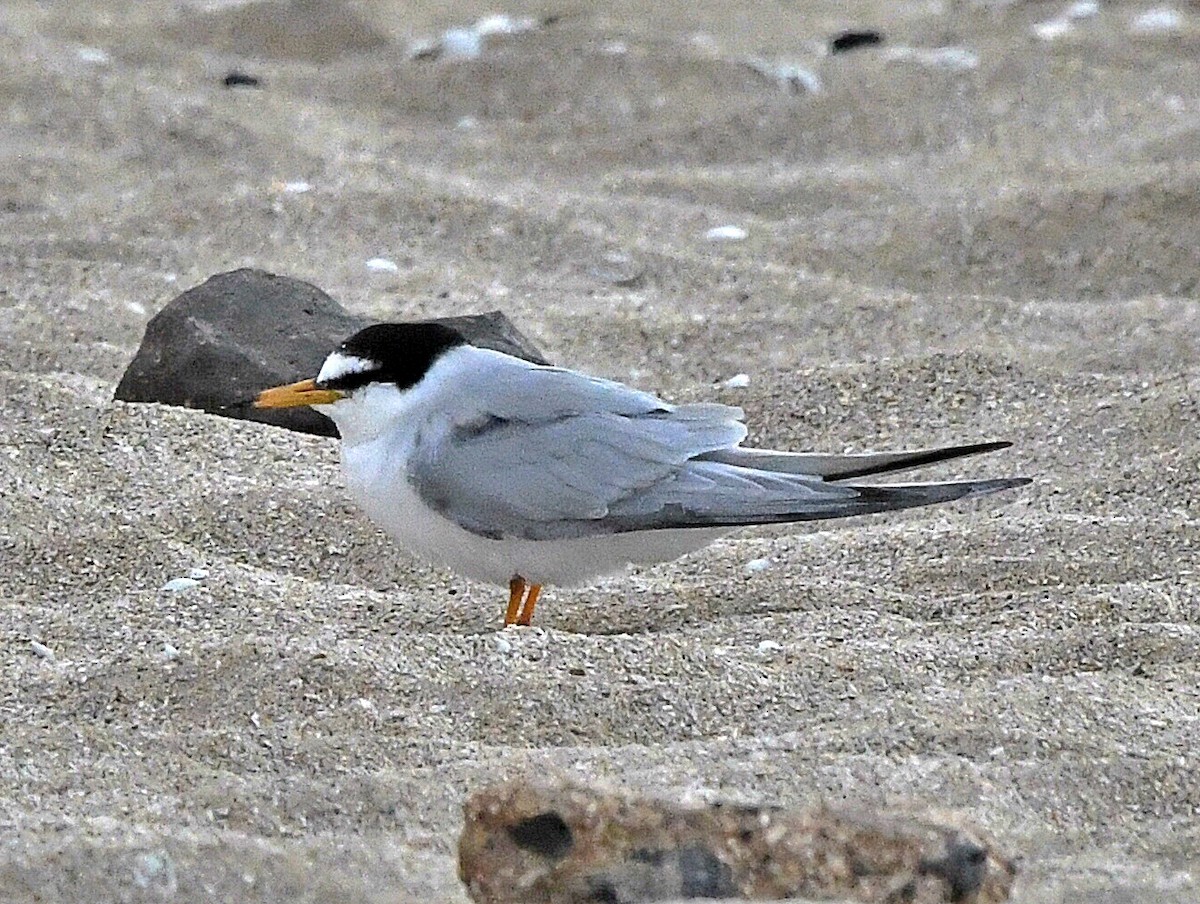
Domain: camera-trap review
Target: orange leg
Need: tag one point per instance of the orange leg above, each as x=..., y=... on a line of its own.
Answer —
x=516, y=590
x=526, y=616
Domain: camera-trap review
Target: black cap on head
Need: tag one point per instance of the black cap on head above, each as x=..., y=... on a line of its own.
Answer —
x=399, y=353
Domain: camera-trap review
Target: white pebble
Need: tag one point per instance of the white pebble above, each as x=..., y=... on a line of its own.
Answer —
x=726, y=234
x=154, y=870
x=502, y=645
x=198, y=574
x=93, y=55
x=462, y=43
x=615, y=48
x=737, y=381
x=1159, y=19
x=501, y=24
x=298, y=187
x=136, y=307
x=956, y=59
x=170, y=652
x=178, y=585
x=788, y=75
x=769, y=646
x=757, y=565
x=382, y=265
x=1053, y=29
x=793, y=77
x=40, y=649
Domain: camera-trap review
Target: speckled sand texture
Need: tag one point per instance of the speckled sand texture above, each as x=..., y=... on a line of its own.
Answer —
x=932, y=254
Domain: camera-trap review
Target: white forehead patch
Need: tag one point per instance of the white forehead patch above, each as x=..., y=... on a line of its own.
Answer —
x=338, y=365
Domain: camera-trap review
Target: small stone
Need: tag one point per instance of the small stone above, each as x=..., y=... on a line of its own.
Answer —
x=461, y=44
x=726, y=234
x=1053, y=29
x=737, y=381
x=94, y=55
x=955, y=59
x=770, y=646
x=789, y=76
x=170, y=652
x=298, y=187
x=240, y=80
x=154, y=870
x=179, y=585
x=854, y=39
x=198, y=574
x=382, y=265
x=1158, y=20
x=501, y=24
x=40, y=649
x=1082, y=9
x=756, y=565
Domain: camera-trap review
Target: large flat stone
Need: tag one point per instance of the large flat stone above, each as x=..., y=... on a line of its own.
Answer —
x=215, y=346
x=525, y=843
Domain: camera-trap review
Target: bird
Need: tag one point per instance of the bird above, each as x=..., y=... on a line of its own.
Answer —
x=521, y=474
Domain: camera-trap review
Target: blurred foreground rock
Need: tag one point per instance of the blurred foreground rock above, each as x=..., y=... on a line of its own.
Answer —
x=218, y=344
x=564, y=844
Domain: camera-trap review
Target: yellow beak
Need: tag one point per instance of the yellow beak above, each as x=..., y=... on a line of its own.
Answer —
x=295, y=394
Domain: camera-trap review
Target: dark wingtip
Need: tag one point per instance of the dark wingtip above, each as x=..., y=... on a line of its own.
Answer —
x=920, y=459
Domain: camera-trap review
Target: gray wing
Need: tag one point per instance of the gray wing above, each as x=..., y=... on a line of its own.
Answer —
x=552, y=477
x=543, y=453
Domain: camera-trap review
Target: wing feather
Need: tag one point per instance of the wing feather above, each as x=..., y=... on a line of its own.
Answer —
x=544, y=453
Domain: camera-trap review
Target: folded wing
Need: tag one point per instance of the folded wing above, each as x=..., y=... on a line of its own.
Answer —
x=541, y=453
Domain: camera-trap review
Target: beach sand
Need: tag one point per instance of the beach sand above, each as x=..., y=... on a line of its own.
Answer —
x=938, y=249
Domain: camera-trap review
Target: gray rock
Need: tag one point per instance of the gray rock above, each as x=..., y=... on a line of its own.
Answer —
x=527, y=842
x=216, y=346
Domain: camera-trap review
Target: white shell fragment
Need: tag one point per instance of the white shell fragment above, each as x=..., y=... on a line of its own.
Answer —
x=179, y=585
x=789, y=76
x=502, y=24
x=467, y=42
x=93, y=55
x=1053, y=29
x=726, y=234
x=382, y=265
x=462, y=44
x=953, y=59
x=1064, y=24
x=1158, y=20
x=737, y=381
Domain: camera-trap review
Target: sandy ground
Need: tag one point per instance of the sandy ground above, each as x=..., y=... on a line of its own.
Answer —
x=932, y=254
